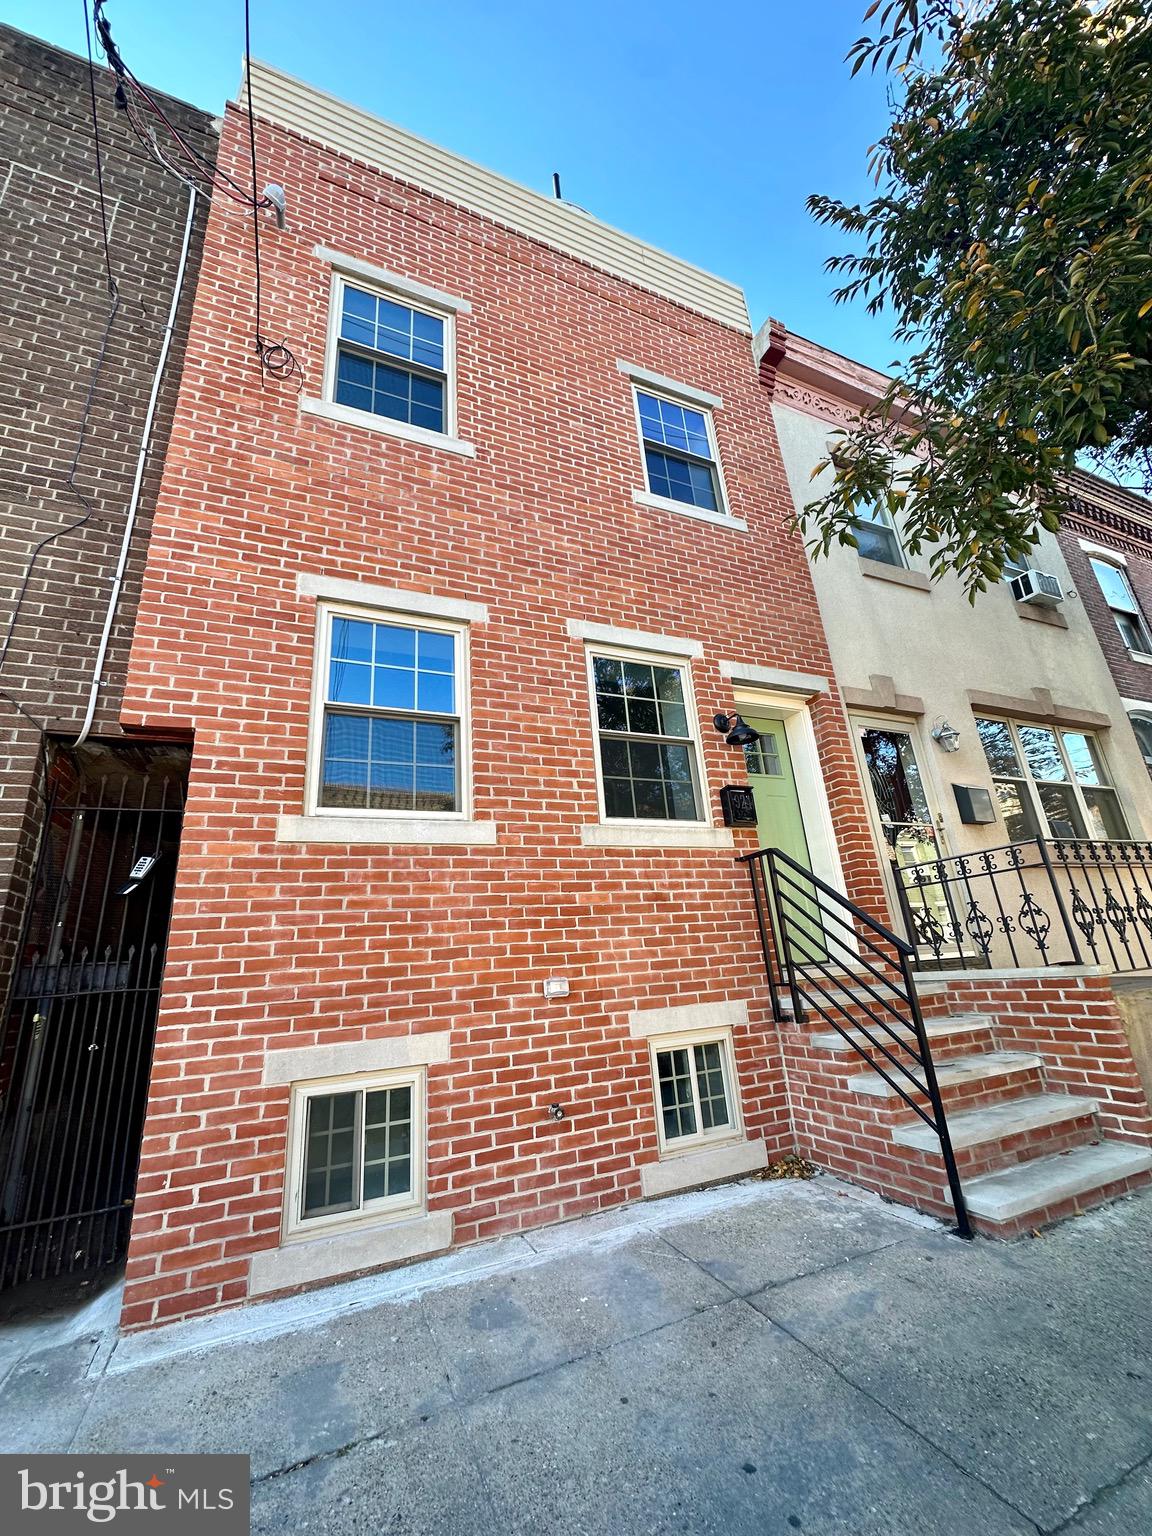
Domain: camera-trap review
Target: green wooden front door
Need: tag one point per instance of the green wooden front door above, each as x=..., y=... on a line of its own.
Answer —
x=779, y=824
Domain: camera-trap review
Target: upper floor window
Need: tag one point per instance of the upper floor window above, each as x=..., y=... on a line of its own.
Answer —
x=876, y=536
x=649, y=765
x=1120, y=598
x=391, y=358
x=1050, y=783
x=679, y=451
x=389, y=716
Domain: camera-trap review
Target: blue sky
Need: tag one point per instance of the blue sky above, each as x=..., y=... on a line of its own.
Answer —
x=700, y=128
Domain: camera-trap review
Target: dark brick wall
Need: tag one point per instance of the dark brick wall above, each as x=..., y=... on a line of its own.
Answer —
x=1132, y=538
x=53, y=309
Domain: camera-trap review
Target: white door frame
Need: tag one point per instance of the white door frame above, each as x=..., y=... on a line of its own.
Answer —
x=811, y=791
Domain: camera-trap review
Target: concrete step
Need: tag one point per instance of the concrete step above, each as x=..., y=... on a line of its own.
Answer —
x=960, y=1025
x=1011, y=1193
x=996, y=1122
x=962, y=1072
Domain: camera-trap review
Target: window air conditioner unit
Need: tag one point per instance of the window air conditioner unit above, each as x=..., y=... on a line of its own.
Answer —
x=1037, y=587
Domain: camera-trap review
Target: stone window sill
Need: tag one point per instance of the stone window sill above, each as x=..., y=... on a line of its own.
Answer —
x=899, y=574
x=628, y=835
x=347, y=1253
x=1039, y=615
x=1145, y=661
x=382, y=829
x=703, y=1165
x=330, y=411
x=682, y=509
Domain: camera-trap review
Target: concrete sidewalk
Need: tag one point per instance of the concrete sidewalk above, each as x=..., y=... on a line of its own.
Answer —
x=767, y=1357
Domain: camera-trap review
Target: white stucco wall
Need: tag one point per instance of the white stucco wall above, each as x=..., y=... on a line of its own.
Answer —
x=936, y=646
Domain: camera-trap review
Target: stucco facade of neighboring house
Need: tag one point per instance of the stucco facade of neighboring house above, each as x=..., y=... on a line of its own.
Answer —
x=974, y=726
x=1106, y=539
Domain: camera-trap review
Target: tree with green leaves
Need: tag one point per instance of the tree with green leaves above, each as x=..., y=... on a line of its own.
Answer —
x=1011, y=240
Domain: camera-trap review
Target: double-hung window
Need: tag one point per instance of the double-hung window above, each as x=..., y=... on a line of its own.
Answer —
x=391, y=358
x=1121, y=600
x=389, y=716
x=876, y=536
x=356, y=1150
x=695, y=1091
x=1050, y=783
x=679, y=451
x=649, y=763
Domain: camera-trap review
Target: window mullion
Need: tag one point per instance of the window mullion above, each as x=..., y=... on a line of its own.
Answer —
x=691, y=1051
x=1030, y=782
x=358, y=1151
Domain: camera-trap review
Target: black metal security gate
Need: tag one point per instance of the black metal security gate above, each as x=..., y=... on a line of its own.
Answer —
x=76, y=1049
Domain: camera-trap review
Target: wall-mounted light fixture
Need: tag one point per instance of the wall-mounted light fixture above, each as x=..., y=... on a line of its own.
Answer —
x=735, y=730
x=946, y=736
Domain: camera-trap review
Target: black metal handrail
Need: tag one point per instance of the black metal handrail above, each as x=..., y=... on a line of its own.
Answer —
x=815, y=942
x=1042, y=902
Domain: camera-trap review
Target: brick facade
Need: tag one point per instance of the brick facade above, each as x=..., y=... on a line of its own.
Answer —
x=279, y=944
x=54, y=311
x=1121, y=521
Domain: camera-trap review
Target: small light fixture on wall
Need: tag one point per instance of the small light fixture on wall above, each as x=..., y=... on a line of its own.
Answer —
x=736, y=730
x=946, y=736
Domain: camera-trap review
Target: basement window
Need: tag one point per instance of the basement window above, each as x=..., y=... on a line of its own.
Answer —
x=696, y=1101
x=356, y=1151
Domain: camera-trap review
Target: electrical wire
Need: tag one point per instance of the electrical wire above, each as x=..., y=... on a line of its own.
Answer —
x=276, y=361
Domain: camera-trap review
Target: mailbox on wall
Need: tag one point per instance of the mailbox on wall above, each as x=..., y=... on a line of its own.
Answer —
x=738, y=805
x=974, y=804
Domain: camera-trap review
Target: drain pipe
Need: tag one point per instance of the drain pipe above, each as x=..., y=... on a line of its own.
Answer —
x=134, y=499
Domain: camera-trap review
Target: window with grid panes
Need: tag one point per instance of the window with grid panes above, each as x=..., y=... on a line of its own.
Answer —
x=648, y=764
x=694, y=1093
x=390, y=735
x=391, y=359
x=1050, y=783
x=356, y=1149
x=679, y=453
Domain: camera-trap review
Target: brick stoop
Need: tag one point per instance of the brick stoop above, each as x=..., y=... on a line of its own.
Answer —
x=1030, y=1150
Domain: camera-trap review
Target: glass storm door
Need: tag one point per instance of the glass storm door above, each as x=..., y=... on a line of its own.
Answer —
x=779, y=824
x=902, y=815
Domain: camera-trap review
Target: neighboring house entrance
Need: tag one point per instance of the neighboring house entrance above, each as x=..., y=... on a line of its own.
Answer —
x=779, y=822
x=904, y=817
x=76, y=1048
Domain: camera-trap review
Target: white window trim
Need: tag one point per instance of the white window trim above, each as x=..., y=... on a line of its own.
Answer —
x=680, y=394
x=408, y=820
x=663, y=830
x=297, y=1228
x=682, y=509
x=1031, y=784
x=1102, y=552
x=659, y=384
x=426, y=300
x=659, y=1044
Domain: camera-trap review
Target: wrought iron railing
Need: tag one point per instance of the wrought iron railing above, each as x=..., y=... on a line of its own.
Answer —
x=824, y=955
x=1048, y=901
